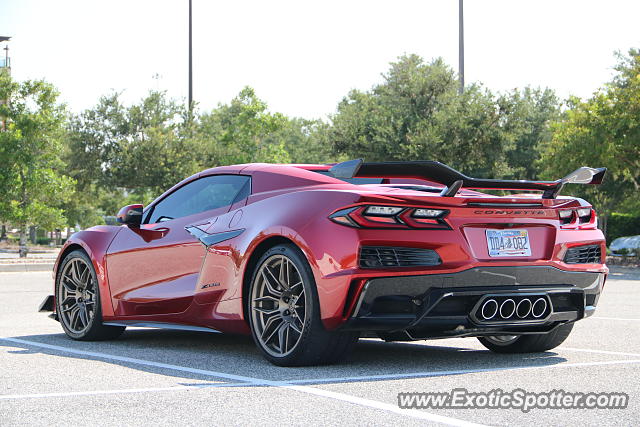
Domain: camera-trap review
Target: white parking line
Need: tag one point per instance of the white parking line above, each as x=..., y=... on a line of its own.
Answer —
x=135, y=361
x=286, y=384
x=383, y=406
x=615, y=318
x=464, y=371
x=297, y=384
x=117, y=391
x=256, y=381
x=587, y=350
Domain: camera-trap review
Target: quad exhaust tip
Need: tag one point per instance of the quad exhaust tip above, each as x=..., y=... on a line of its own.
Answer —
x=489, y=309
x=509, y=309
x=539, y=307
x=524, y=308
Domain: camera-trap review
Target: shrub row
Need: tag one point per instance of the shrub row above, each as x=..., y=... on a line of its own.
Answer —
x=622, y=224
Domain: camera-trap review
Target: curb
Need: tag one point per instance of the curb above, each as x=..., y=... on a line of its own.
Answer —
x=6, y=268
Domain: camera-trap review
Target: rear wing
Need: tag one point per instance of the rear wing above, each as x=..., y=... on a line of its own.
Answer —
x=454, y=180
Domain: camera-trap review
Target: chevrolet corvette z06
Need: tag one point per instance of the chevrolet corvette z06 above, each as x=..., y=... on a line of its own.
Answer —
x=308, y=258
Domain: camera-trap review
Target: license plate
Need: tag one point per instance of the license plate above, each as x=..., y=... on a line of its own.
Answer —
x=508, y=243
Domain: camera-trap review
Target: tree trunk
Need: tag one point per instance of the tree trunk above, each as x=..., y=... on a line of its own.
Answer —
x=23, y=227
x=23, y=241
x=603, y=223
x=33, y=238
x=3, y=233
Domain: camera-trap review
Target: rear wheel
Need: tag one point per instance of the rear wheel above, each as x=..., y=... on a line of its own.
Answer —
x=284, y=313
x=78, y=300
x=527, y=343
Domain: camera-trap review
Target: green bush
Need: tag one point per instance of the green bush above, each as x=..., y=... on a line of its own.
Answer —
x=622, y=224
x=43, y=241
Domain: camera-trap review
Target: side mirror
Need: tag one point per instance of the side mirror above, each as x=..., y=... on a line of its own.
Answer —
x=130, y=215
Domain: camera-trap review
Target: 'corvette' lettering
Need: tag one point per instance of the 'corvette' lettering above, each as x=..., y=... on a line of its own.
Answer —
x=501, y=212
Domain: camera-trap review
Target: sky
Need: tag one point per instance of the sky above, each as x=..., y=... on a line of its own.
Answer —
x=302, y=57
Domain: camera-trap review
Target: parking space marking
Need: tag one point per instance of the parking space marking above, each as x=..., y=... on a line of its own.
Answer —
x=615, y=318
x=118, y=391
x=588, y=350
x=463, y=371
x=413, y=413
x=136, y=361
x=298, y=385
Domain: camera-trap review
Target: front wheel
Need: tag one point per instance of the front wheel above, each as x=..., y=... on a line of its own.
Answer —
x=78, y=300
x=284, y=312
x=535, y=343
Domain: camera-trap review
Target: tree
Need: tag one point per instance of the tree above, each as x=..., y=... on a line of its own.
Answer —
x=417, y=113
x=31, y=185
x=121, y=154
x=602, y=131
x=528, y=116
x=622, y=115
x=307, y=141
x=156, y=136
x=242, y=132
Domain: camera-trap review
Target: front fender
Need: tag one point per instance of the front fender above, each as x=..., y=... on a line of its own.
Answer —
x=94, y=241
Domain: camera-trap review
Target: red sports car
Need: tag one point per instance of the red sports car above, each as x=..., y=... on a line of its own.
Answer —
x=307, y=258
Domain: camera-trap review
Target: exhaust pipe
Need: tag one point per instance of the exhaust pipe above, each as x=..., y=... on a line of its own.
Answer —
x=507, y=308
x=512, y=309
x=539, y=308
x=489, y=309
x=523, y=309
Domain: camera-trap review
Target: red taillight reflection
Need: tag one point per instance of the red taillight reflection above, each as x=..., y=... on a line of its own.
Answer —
x=361, y=216
x=578, y=219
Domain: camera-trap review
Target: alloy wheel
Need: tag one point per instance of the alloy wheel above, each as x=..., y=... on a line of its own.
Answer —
x=77, y=294
x=278, y=305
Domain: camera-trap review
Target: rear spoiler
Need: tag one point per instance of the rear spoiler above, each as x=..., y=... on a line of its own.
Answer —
x=454, y=180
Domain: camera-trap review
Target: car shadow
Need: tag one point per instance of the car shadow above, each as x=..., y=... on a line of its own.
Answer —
x=238, y=355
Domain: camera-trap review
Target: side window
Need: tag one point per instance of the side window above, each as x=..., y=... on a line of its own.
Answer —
x=207, y=193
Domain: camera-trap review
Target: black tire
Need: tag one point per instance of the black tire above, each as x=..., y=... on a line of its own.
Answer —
x=81, y=291
x=536, y=343
x=315, y=345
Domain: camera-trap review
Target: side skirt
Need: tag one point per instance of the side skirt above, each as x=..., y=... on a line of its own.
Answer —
x=161, y=325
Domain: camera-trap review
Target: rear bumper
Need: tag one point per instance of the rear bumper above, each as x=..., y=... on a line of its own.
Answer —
x=446, y=305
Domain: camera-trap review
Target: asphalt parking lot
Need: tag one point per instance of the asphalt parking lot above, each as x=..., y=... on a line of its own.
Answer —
x=165, y=377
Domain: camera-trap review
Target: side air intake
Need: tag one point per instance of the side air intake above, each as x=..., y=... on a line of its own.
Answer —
x=387, y=256
x=590, y=254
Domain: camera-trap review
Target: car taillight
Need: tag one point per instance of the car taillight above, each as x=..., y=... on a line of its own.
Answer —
x=578, y=219
x=565, y=215
x=382, y=210
x=375, y=216
x=342, y=217
x=584, y=214
x=427, y=213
